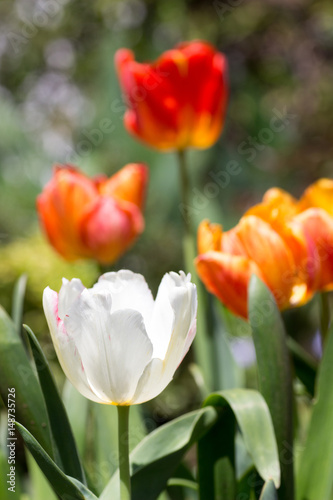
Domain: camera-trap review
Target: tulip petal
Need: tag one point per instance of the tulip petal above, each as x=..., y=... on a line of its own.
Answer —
x=209, y=237
x=129, y=291
x=227, y=277
x=69, y=292
x=172, y=331
x=317, y=226
x=276, y=207
x=270, y=252
x=319, y=194
x=110, y=227
x=65, y=347
x=129, y=184
x=60, y=207
x=117, y=340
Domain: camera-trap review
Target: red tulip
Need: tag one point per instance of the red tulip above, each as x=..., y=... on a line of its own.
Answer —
x=93, y=218
x=178, y=101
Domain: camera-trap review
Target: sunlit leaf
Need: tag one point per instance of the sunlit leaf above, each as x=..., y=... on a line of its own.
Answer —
x=61, y=430
x=274, y=373
x=315, y=478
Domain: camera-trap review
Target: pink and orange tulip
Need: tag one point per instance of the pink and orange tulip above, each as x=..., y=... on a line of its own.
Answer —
x=178, y=101
x=93, y=218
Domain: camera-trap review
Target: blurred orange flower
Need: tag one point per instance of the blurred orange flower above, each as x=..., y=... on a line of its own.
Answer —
x=286, y=242
x=178, y=101
x=93, y=218
x=225, y=264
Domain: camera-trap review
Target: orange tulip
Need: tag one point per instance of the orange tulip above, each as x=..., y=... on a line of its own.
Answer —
x=286, y=242
x=178, y=101
x=229, y=259
x=311, y=219
x=93, y=218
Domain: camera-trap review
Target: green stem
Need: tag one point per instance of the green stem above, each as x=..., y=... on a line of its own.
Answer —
x=203, y=341
x=324, y=315
x=124, y=465
x=185, y=187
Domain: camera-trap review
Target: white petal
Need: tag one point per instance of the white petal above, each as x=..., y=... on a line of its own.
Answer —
x=69, y=292
x=114, y=347
x=161, y=324
x=65, y=348
x=176, y=301
x=182, y=298
x=151, y=382
x=129, y=291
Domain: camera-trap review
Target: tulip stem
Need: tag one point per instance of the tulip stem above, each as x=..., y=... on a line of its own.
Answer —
x=185, y=185
x=202, y=344
x=324, y=315
x=123, y=448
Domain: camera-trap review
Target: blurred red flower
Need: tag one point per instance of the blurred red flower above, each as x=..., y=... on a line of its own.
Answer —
x=178, y=101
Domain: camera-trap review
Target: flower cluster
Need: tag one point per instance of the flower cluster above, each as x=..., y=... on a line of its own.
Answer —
x=286, y=242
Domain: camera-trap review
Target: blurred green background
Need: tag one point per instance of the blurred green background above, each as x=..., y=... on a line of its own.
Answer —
x=58, y=83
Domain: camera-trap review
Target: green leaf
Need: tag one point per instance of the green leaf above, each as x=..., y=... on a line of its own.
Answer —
x=216, y=459
x=274, y=373
x=228, y=373
x=158, y=455
x=18, y=301
x=269, y=492
x=77, y=409
x=66, y=487
x=305, y=365
x=60, y=426
x=17, y=373
x=184, y=483
x=315, y=478
x=254, y=421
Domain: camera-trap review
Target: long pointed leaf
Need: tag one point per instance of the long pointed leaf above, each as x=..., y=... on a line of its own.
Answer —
x=216, y=460
x=16, y=372
x=315, y=478
x=255, y=423
x=66, y=487
x=274, y=373
x=60, y=426
x=18, y=301
x=158, y=455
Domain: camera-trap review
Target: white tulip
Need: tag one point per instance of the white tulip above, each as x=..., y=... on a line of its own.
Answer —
x=114, y=342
